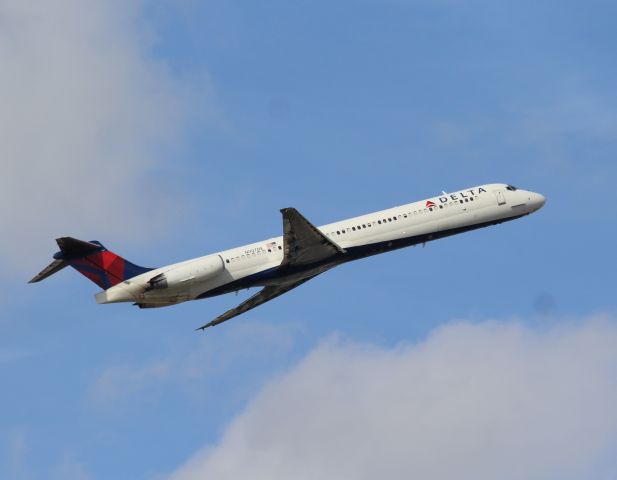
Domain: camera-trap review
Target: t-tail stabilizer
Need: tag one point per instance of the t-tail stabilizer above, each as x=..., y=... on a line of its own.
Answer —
x=92, y=260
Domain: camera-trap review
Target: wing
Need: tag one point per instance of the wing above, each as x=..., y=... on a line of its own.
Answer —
x=303, y=243
x=264, y=295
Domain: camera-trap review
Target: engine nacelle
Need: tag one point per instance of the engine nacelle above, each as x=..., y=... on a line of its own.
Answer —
x=187, y=274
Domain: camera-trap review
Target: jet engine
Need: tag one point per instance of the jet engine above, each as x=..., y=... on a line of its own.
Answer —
x=187, y=274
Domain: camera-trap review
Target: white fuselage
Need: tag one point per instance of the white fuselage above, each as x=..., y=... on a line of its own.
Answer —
x=256, y=264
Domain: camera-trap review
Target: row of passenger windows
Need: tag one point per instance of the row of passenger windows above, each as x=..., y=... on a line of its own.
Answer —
x=256, y=252
x=404, y=215
x=366, y=225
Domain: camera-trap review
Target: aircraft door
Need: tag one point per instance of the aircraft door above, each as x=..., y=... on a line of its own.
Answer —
x=501, y=199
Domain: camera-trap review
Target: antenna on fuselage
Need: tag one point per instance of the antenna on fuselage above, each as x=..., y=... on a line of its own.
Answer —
x=444, y=193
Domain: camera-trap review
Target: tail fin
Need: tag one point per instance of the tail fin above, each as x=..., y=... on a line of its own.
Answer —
x=92, y=260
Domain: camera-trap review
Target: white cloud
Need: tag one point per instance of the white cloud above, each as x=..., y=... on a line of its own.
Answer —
x=87, y=114
x=473, y=401
x=121, y=382
x=241, y=356
x=245, y=342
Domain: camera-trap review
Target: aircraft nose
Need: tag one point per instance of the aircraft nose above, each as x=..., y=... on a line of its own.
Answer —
x=536, y=200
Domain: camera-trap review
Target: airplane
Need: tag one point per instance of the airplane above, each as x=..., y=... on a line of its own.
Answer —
x=280, y=264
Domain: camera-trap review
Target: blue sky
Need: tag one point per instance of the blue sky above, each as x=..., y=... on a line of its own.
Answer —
x=170, y=130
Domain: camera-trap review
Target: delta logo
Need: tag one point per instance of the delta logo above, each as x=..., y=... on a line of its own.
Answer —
x=456, y=197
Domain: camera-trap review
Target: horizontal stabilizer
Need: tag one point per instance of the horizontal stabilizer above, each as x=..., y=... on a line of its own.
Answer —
x=50, y=269
x=73, y=248
x=92, y=260
x=70, y=248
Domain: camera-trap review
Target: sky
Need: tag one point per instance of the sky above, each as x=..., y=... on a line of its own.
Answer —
x=169, y=130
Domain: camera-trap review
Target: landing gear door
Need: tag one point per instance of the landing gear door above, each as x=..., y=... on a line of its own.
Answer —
x=501, y=199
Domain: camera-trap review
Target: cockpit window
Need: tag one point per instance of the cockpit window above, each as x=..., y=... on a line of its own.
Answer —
x=511, y=188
